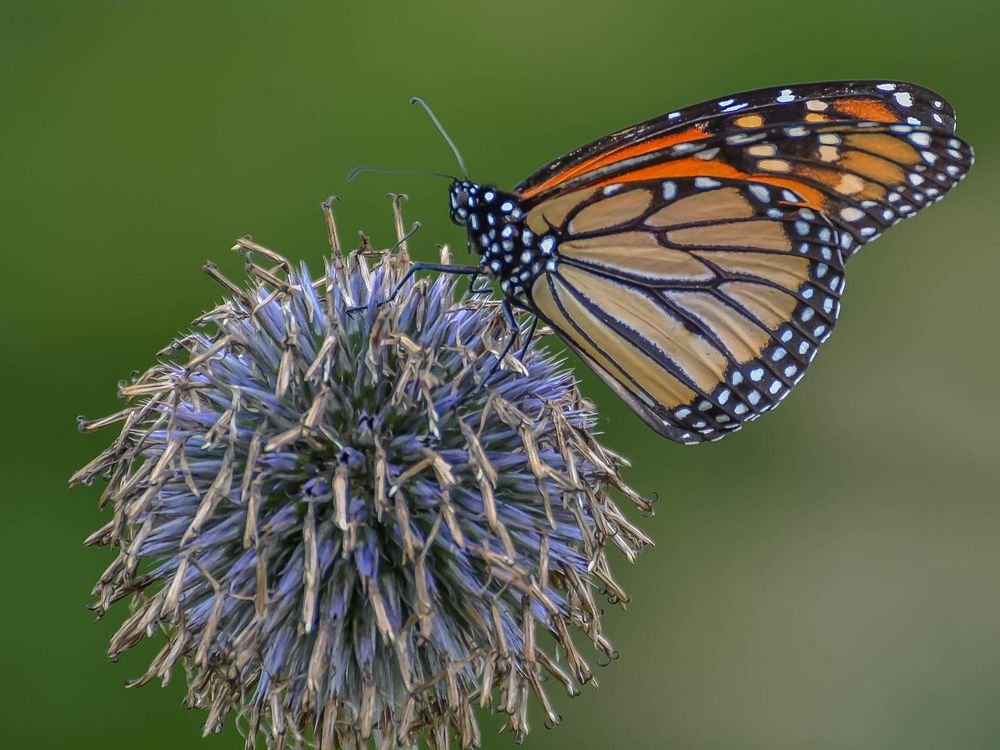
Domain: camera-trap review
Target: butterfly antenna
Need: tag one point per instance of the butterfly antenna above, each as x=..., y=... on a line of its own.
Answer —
x=390, y=170
x=440, y=127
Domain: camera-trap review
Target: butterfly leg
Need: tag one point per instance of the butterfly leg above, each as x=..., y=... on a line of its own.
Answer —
x=531, y=328
x=508, y=306
x=508, y=313
x=527, y=339
x=474, y=290
x=415, y=268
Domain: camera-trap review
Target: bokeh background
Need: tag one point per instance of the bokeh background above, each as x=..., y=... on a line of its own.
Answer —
x=827, y=578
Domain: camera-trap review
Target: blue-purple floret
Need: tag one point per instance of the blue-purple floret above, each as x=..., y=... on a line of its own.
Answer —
x=342, y=529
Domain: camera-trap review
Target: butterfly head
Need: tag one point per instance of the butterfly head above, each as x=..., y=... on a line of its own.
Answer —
x=476, y=206
x=465, y=198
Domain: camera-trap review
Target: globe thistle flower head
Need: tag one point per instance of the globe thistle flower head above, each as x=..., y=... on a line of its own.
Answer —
x=342, y=528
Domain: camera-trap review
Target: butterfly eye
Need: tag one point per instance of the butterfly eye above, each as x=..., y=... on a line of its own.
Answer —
x=460, y=202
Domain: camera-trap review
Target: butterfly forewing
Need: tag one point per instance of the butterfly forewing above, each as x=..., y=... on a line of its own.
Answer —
x=876, y=101
x=864, y=176
x=700, y=300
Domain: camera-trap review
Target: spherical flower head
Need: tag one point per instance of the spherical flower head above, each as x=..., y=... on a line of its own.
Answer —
x=342, y=527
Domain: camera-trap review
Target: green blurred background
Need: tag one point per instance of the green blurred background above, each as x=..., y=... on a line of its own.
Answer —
x=827, y=578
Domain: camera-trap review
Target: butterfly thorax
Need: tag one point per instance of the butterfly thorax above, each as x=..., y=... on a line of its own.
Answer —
x=498, y=232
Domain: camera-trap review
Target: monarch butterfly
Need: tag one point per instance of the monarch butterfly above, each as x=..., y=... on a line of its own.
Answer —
x=695, y=261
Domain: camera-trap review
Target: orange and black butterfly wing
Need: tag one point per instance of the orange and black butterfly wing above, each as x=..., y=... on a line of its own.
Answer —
x=701, y=254
x=862, y=175
x=876, y=101
x=699, y=301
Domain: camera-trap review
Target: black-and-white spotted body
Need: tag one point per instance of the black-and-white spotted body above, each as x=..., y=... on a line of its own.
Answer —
x=509, y=250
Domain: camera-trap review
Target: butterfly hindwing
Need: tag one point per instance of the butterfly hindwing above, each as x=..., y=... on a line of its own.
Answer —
x=701, y=301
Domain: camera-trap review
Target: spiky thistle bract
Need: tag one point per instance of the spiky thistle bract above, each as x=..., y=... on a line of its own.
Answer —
x=341, y=528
